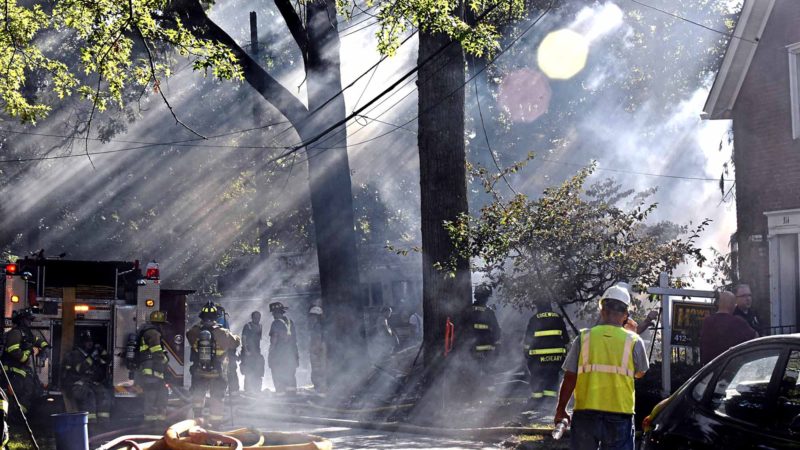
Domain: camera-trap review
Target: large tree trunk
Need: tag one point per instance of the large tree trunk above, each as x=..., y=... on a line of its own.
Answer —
x=330, y=185
x=332, y=202
x=442, y=161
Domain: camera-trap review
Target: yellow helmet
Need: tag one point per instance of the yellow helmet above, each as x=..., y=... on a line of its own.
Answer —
x=158, y=317
x=209, y=312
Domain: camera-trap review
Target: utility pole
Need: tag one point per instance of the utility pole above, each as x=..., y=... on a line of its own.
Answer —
x=263, y=227
x=253, y=34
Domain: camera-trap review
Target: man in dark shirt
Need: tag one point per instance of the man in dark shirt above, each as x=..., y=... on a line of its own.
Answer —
x=252, y=365
x=722, y=330
x=744, y=303
x=283, y=357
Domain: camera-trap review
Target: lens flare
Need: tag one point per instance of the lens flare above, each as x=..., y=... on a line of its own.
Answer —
x=562, y=54
x=525, y=94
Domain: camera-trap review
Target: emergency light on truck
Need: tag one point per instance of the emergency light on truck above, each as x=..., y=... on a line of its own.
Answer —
x=151, y=271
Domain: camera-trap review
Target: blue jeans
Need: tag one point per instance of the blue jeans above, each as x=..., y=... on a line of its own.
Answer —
x=593, y=430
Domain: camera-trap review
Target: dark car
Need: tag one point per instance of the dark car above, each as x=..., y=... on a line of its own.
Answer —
x=746, y=398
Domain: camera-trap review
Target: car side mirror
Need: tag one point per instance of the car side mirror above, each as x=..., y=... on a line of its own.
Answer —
x=794, y=425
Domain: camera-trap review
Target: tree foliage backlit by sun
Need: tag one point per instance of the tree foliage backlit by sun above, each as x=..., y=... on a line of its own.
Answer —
x=572, y=243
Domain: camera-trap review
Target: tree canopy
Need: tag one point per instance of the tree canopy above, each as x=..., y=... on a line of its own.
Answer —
x=572, y=243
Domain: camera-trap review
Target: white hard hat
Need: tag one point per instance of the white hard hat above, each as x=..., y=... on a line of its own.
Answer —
x=619, y=293
x=315, y=310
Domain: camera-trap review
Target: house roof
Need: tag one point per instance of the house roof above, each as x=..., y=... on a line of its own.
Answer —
x=738, y=56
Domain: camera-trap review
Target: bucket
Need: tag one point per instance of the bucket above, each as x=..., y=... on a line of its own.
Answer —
x=71, y=430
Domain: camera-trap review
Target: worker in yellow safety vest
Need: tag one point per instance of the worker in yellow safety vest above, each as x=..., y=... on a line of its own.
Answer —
x=600, y=369
x=545, y=345
x=4, y=418
x=21, y=345
x=152, y=367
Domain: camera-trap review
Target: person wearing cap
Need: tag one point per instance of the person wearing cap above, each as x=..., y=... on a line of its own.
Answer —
x=316, y=345
x=252, y=364
x=600, y=369
x=152, y=367
x=21, y=344
x=83, y=376
x=483, y=332
x=545, y=344
x=283, y=358
x=211, y=346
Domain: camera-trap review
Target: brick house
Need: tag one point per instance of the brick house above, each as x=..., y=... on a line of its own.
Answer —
x=758, y=88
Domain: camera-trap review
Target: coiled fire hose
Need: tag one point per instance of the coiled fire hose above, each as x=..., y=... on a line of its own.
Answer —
x=188, y=435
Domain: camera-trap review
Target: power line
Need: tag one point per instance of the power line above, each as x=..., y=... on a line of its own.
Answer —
x=374, y=22
x=355, y=113
x=486, y=136
x=181, y=143
x=726, y=34
x=633, y=172
x=411, y=72
x=340, y=92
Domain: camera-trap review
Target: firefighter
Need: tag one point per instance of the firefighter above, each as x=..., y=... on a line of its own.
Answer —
x=283, y=357
x=316, y=345
x=84, y=375
x=252, y=364
x=233, y=365
x=21, y=344
x=152, y=367
x=545, y=345
x=483, y=332
x=211, y=347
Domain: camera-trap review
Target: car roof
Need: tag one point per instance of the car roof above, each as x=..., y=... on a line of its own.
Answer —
x=779, y=339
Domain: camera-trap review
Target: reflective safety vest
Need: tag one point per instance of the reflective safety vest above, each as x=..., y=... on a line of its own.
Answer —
x=606, y=370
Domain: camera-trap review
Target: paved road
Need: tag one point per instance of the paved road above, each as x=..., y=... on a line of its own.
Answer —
x=352, y=439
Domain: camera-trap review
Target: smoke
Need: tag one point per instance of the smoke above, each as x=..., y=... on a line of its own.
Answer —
x=198, y=206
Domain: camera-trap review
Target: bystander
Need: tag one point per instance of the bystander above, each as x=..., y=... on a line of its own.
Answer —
x=744, y=307
x=722, y=330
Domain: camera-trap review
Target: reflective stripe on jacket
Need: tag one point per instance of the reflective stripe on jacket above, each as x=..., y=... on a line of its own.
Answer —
x=154, y=357
x=20, y=342
x=483, y=332
x=546, y=339
x=606, y=370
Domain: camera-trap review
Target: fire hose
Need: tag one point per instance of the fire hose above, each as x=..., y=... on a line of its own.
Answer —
x=189, y=435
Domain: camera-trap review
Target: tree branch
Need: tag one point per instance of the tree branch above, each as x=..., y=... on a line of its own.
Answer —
x=295, y=26
x=153, y=73
x=202, y=27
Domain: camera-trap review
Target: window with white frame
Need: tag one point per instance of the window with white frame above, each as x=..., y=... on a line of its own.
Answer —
x=794, y=86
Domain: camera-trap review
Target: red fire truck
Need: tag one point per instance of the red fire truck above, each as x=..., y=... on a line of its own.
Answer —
x=111, y=298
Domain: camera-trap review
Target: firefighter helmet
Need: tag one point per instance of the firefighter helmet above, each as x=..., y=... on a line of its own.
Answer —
x=483, y=291
x=158, y=317
x=85, y=336
x=209, y=312
x=18, y=316
x=277, y=307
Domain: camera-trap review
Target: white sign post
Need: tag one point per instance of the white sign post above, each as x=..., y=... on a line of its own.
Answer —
x=666, y=294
